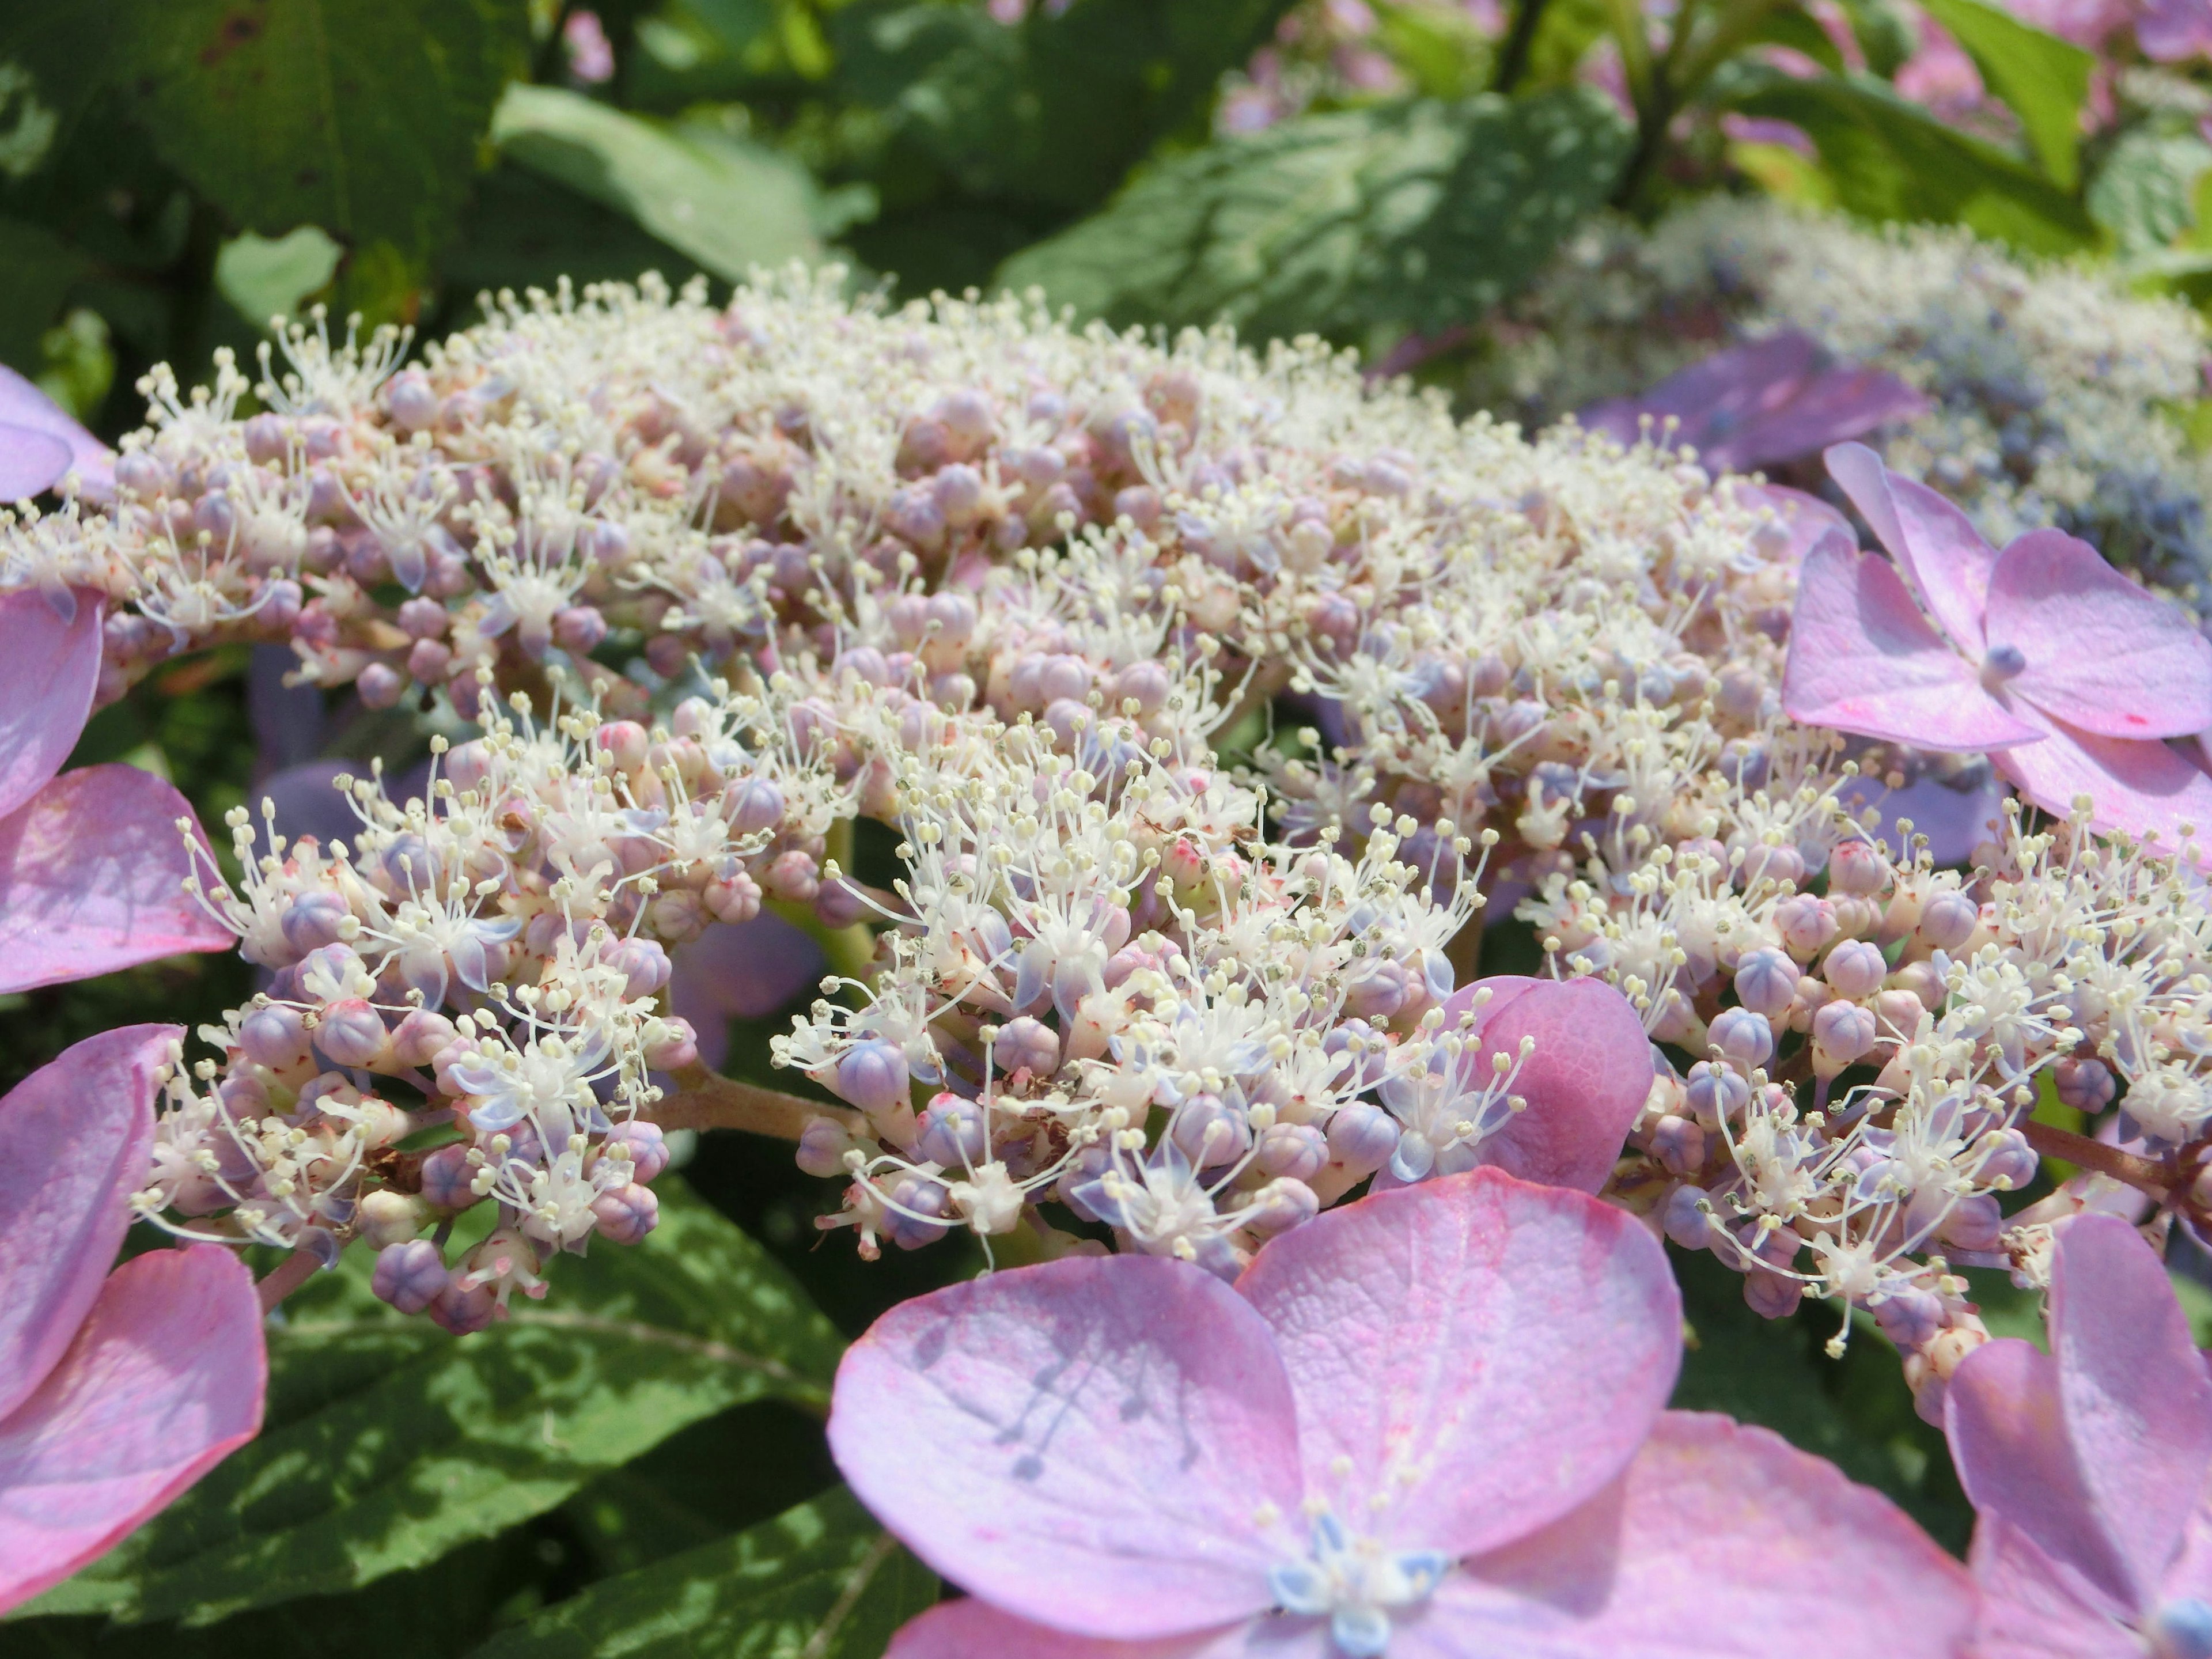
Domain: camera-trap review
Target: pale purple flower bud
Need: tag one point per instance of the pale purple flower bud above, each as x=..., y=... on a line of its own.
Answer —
x=1377, y=990
x=752, y=806
x=872, y=1076
x=314, y=920
x=1298, y=1150
x=1283, y=1203
x=958, y=491
x=1146, y=683
x=579, y=629
x=1975, y=1222
x=1910, y=1318
x=626, y=1214
x=1744, y=1036
x=264, y=436
x=955, y=692
x=409, y=1276
x=1771, y=1295
x=213, y=516
x=865, y=661
x=1948, y=922
x=1686, y=1223
x=1806, y=924
x=677, y=1047
x=351, y=1033
x=411, y=401
x=445, y=1175
x=274, y=1037
x=1766, y=981
x=1026, y=1042
x=1857, y=866
x=647, y=1146
x=2087, y=1085
x=2008, y=1158
x=1842, y=1032
x=1679, y=1145
x=645, y=965
x=734, y=898
x=838, y=904
x=921, y=1194
x=1210, y=1132
x=821, y=1147
x=794, y=875
x=142, y=474
x=379, y=685
x=1716, y=1093
x=954, y=1132
x=954, y=614
x=1855, y=968
x=1363, y=1135
x=422, y=619
x=464, y=1312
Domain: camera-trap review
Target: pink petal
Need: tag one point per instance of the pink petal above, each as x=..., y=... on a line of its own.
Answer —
x=2034, y=1608
x=1953, y=820
x=2006, y=1418
x=1720, y=1542
x=976, y=1629
x=1862, y=659
x=1711, y=398
x=2102, y=654
x=2138, y=1402
x=2135, y=788
x=48, y=668
x=1486, y=1353
x=1845, y=401
x=74, y=1137
x=26, y=413
x=1585, y=1083
x=1100, y=1437
x=31, y=462
x=91, y=879
x=1932, y=541
x=164, y=1380
x=1805, y=518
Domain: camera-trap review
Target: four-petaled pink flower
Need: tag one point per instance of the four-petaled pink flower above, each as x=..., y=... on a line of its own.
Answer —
x=91, y=866
x=1431, y=1423
x=40, y=444
x=2062, y=668
x=1762, y=403
x=117, y=1390
x=2088, y=1465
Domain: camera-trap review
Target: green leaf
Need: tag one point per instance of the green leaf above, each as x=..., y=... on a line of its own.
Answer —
x=266, y=277
x=37, y=270
x=1856, y=1411
x=822, y=1581
x=361, y=116
x=1890, y=160
x=1415, y=213
x=389, y=1443
x=2145, y=192
x=2043, y=78
x=1796, y=30
x=727, y=203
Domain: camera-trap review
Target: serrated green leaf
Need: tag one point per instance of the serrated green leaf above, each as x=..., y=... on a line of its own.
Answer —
x=2145, y=192
x=1416, y=214
x=361, y=116
x=727, y=203
x=2042, y=78
x=822, y=1581
x=1891, y=160
x=389, y=1443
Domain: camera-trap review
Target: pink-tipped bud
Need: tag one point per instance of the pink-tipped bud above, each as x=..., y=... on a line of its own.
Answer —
x=409, y=1276
x=1855, y=969
x=676, y=1046
x=954, y=1132
x=274, y=1037
x=1948, y=922
x=351, y=1033
x=647, y=1146
x=1807, y=925
x=794, y=876
x=624, y=743
x=1857, y=866
x=734, y=898
x=1296, y=1151
x=420, y=1037
x=1842, y=1032
x=1766, y=981
x=379, y=685
x=579, y=629
x=626, y=1214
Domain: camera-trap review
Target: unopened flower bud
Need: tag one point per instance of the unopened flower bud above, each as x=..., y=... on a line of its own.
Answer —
x=1806, y=924
x=1210, y=1132
x=1859, y=867
x=1766, y=981
x=1679, y=1145
x=314, y=920
x=1298, y=1151
x=385, y=1218
x=409, y=1275
x=1363, y=1135
x=677, y=1046
x=2087, y=1085
x=1771, y=1295
x=352, y=1033
x=1743, y=1036
x=647, y=1146
x=445, y=1175
x=872, y=1076
x=1282, y=1204
x=914, y=1199
x=1842, y=1032
x=1948, y=922
x=274, y=1037
x=626, y=1214
x=1975, y=1224
x=1716, y=1093
x=1685, y=1219
x=1855, y=969
x=821, y=1147
x=1909, y=1317
x=464, y=1311
x=1026, y=1043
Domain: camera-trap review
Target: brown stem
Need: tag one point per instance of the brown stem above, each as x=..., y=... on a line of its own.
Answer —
x=295, y=1270
x=707, y=1100
x=2143, y=1174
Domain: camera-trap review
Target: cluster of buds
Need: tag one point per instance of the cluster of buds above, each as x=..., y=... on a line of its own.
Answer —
x=699, y=588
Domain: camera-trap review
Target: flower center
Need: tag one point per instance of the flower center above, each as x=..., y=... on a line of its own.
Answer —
x=1356, y=1584
x=2002, y=663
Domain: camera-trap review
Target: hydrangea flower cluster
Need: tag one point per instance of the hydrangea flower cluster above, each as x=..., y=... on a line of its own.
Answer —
x=2047, y=385
x=710, y=584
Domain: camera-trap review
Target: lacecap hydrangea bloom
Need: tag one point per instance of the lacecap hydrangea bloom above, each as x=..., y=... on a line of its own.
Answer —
x=2047, y=388
x=1209, y=700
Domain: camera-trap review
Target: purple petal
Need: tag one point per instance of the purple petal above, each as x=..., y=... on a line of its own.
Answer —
x=747, y=970
x=1103, y=1435
x=30, y=462
x=74, y=1137
x=1486, y=1353
x=91, y=879
x=2034, y=1608
x=1933, y=542
x=49, y=668
x=163, y=1381
x=25, y=412
x=2138, y=789
x=1805, y=518
x=971, y=1630
x=1585, y=1083
x=1862, y=659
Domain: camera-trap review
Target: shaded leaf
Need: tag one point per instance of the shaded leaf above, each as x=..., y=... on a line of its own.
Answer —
x=822, y=1581
x=265, y=276
x=389, y=1443
x=1415, y=213
x=1890, y=160
x=2042, y=78
x=2144, y=193
x=728, y=204
x=37, y=271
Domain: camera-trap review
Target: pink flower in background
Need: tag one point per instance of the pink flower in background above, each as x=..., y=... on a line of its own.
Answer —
x=591, y=54
x=1429, y=1423
x=2066, y=672
x=91, y=862
x=2170, y=31
x=1761, y=404
x=39, y=444
x=1941, y=76
x=117, y=1390
x=2085, y=22
x=2088, y=1465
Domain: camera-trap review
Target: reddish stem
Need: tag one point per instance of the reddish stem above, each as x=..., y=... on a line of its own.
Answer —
x=295, y=1270
x=2155, y=1177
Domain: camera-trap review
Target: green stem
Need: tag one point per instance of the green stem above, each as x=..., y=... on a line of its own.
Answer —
x=1520, y=41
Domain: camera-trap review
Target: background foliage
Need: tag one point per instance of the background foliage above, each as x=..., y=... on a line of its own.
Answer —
x=639, y=1467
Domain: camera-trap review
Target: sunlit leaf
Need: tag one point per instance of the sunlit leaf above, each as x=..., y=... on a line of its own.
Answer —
x=2041, y=77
